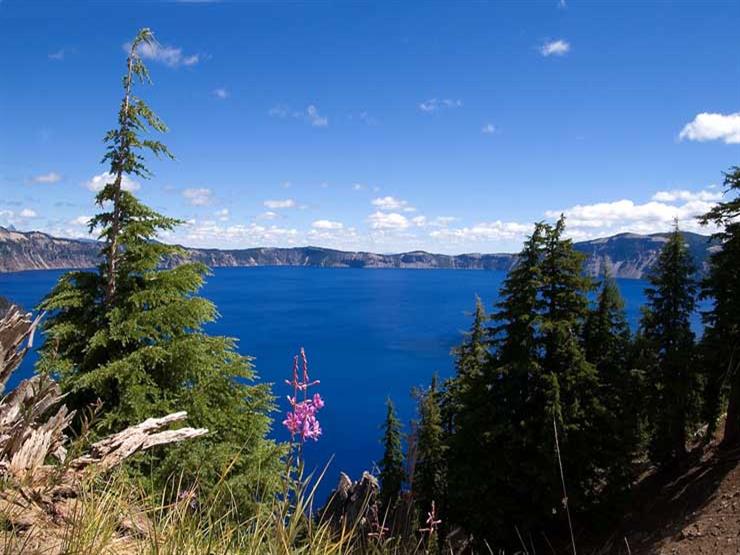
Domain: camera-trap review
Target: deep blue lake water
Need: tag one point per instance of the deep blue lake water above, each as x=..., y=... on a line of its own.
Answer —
x=369, y=334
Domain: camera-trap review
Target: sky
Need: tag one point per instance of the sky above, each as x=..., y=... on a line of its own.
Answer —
x=383, y=126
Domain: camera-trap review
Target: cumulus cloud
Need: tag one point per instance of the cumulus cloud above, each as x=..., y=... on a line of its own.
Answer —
x=392, y=203
x=28, y=213
x=713, y=127
x=81, y=221
x=223, y=214
x=327, y=224
x=388, y=221
x=47, y=178
x=167, y=55
x=97, y=183
x=587, y=221
x=314, y=118
x=555, y=48
x=484, y=231
x=269, y=215
x=437, y=104
x=213, y=234
x=201, y=196
x=674, y=195
x=310, y=115
x=221, y=93
x=277, y=204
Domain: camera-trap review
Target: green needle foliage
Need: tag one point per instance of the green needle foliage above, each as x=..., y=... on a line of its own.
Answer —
x=131, y=333
x=392, y=474
x=607, y=344
x=666, y=329
x=429, y=477
x=722, y=334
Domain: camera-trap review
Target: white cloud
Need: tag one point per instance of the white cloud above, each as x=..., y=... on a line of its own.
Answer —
x=46, y=178
x=97, y=183
x=277, y=204
x=436, y=104
x=223, y=214
x=392, y=203
x=713, y=127
x=358, y=187
x=484, y=231
x=607, y=218
x=555, y=48
x=82, y=221
x=28, y=213
x=269, y=215
x=57, y=56
x=310, y=114
x=488, y=129
x=314, y=118
x=212, y=234
x=221, y=93
x=198, y=197
x=327, y=224
x=674, y=195
x=167, y=55
x=388, y=221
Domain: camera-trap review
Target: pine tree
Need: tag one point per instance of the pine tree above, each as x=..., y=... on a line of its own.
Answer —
x=607, y=345
x=131, y=334
x=666, y=326
x=568, y=387
x=722, y=334
x=465, y=411
x=429, y=478
x=392, y=474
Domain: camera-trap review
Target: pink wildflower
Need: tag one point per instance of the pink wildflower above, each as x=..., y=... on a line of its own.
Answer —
x=432, y=521
x=301, y=421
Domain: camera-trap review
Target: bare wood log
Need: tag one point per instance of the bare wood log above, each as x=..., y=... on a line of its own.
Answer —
x=32, y=424
x=112, y=450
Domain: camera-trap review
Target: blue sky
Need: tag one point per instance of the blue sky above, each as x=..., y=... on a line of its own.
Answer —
x=385, y=126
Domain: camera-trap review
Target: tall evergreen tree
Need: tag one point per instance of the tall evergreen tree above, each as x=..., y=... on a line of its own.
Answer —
x=429, y=479
x=607, y=345
x=465, y=412
x=666, y=326
x=490, y=487
x=131, y=333
x=568, y=387
x=392, y=474
x=722, y=335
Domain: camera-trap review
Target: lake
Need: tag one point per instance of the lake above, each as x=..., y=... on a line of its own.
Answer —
x=369, y=334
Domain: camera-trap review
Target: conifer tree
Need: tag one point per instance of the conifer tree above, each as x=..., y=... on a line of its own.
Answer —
x=568, y=387
x=489, y=485
x=466, y=411
x=722, y=334
x=666, y=326
x=607, y=345
x=131, y=333
x=429, y=479
x=392, y=474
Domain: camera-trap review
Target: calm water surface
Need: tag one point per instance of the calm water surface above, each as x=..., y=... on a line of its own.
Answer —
x=369, y=334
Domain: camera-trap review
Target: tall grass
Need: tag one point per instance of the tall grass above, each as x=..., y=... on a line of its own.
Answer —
x=115, y=515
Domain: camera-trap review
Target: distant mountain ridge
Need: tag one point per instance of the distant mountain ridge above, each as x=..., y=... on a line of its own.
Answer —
x=629, y=255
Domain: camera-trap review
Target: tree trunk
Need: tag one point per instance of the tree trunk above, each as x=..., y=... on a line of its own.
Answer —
x=732, y=424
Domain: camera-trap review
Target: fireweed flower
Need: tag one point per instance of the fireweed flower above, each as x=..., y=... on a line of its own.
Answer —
x=301, y=420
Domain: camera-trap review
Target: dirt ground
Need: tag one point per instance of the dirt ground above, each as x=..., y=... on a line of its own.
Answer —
x=692, y=509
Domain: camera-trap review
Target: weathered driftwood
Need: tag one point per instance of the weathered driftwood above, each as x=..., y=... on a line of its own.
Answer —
x=353, y=504
x=34, y=462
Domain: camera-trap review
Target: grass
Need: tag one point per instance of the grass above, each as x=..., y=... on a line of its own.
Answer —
x=114, y=515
